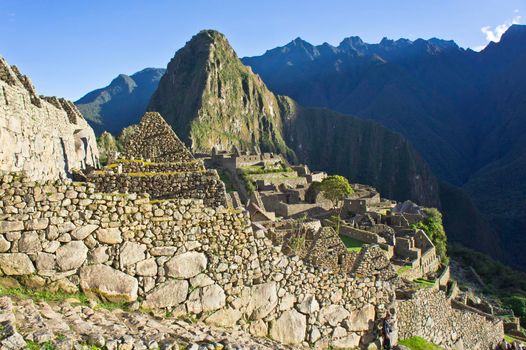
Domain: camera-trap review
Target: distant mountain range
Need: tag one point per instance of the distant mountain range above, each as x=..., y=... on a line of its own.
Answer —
x=122, y=102
x=463, y=111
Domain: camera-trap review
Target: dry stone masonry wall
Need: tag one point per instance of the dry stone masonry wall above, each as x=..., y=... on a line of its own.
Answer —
x=204, y=185
x=182, y=256
x=428, y=314
x=46, y=137
x=155, y=140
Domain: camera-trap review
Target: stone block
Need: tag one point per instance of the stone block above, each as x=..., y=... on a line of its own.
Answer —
x=16, y=264
x=186, y=265
x=109, y=235
x=168, y=294
x=108, y=284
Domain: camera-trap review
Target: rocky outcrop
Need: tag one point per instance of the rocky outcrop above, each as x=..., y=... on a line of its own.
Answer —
x=46, y=137
x=72, y=324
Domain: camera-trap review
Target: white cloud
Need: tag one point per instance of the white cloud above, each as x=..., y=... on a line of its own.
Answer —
x=495, y=33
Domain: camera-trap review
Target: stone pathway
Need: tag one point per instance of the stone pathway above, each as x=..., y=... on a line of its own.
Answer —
x=69, y=325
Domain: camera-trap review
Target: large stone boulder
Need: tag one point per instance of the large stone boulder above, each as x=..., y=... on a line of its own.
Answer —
x=362, y=319
x=225, y=318
x=289, y=328
x=212, y=298
x=71, y=255
x=83, y=231
x=263, y=299
x=108, y=284
x=308, y=305
x=109, y=235
x=16, y=264
x=333, y=315
x=343, y=340
x=171, y=293
x=29, y=243
x=186, y=265
x=131, y=253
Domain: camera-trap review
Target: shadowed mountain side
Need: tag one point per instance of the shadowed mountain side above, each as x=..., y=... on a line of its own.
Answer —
x=121, y=103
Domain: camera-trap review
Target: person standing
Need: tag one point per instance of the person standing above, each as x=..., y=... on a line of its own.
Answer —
x=387, y=330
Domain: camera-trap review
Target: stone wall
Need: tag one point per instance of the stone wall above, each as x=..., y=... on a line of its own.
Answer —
x=204, y=185
x=139, y=166
x=181, y=256
x=46, y=137
x=428, y=314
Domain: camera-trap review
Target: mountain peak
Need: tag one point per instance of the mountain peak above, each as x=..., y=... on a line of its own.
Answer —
x=352, y=42
x=212, y=100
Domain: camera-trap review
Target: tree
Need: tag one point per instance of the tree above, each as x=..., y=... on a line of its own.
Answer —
x=107, y=146
x=335, y=188
x=433, y=227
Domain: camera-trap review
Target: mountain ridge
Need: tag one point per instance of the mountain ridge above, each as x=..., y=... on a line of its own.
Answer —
x=121, y=102
x=461, y=109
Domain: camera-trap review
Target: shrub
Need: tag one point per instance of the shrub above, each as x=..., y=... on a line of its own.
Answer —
x=433, y=227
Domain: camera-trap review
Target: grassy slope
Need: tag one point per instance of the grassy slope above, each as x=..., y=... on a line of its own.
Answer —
x=417, y=343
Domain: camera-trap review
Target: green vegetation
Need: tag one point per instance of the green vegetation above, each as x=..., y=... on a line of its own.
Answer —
x=41, y=295
x=107, y=146
x=225, y=177
x=31, y=345
x=259, y=169
x=249, y=184
x=511, y=339
x=517, y=304
x=500, y=281
x=424, y=282
x=417, y=343
x=335, y=188
x=297, y=244
x=433, y=227
x=403, y=270
x=47, y=296
x=352, y=245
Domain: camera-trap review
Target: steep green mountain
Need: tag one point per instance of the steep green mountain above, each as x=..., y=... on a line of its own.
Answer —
x=463, y=111
x=212, y=100
x=121, y=103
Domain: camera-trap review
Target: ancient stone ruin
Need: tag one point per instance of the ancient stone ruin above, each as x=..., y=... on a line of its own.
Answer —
x=153, y=229
x=45, y=137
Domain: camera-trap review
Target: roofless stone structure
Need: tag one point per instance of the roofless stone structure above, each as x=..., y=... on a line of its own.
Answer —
x=155, y=140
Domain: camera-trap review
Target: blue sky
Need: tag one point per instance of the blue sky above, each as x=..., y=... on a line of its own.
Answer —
x=70, y=47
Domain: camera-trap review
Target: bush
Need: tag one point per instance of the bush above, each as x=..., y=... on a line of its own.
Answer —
x=433, y=227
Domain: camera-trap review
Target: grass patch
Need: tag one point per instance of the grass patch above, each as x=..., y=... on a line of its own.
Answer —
x=259, y=169
x=31, y=345
x=47, y=296
x=403, y=269
x=417, y=343
x=41, y=295
x=425, y=283
x=511, y=339
x=352, y=245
